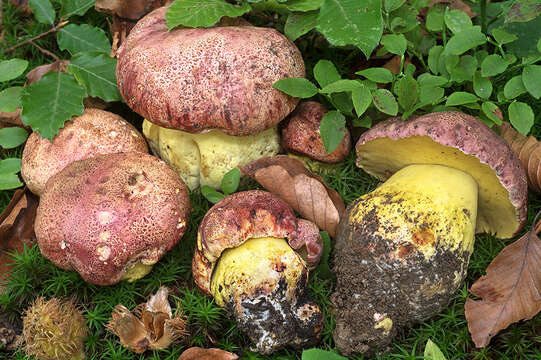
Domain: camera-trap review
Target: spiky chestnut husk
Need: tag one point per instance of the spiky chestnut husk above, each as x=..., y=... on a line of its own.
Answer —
x=54, y=330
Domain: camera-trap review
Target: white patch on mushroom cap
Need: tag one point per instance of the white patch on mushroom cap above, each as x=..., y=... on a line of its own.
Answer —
x=104, y=252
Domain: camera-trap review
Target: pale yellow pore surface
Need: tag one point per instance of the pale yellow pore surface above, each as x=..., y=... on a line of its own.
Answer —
x=203, y=159
x=495, y=214
x=427, y=206
x=136, y=272
x=255, y=268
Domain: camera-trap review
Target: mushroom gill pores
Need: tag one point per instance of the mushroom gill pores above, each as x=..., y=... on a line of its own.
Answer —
x=403, y=250
x=244, y=260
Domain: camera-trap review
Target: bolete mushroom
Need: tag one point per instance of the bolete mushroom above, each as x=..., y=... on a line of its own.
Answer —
x=403, y=250
x=214, y=80
x=245, y=258
x=112, y=216
x=94, y=132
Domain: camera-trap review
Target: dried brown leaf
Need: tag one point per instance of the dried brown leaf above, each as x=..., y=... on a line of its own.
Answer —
x=510, y=290
x=11, y=118
x=304, y=191
x=22, y=5
x=394, y=64
x=197, y=353
x=129, y=9
x=35, y=74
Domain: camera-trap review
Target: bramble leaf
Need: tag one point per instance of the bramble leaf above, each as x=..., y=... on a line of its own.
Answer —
x=460, y=98
x=491, y=110
x=482, y=85
x=10, y=99
x=83, y=38
x=296, y=87
x=201, y=13
x=465, y=40
x=503, y=37
x=408, y=92
x=96, y=72
x=341, y=86
x=362, y=98
x=332, y=130
x=514, y=87
x=325, y=73
x=427, y=79
x=392, y=5
x=435, y=18
x=531, y=78
x=493, y=65
x=385, y=102
x=521, y=117
x=457, y=21
x=379, y=75
x=395, y=44
x=11, y=69
x=11, y=137
x=299, y=24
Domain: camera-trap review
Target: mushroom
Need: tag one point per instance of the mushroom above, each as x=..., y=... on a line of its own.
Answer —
x=216, y=81
x=403, y=250
x=94, y=132
x=112, y=216
x=300, y=134
x=245, y=258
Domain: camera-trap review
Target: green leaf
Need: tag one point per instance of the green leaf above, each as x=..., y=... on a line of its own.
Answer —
x=341, y=86
x=211, y=195
x=11, y=137
x=318, y=354
x=406, y=17
x=201, y=13
x=392, y=5
x=539, y=45
x=362, y=98
x=299, y=24
x=296, y=87
x=43, y=11
x=303, y=5
x=490, y=110
x=531, y=77
x=10, y=165
x=503, y=37
x=325, y=73
x=514, y=87
x=493, y=65
x=427, y=79
x=11, y=69
x=323, y=270
x=435, y=17
x=408, y=92
x=365, y=121
x=460, y=98
x=332, y=130
x=523, y=11
x=385, y=102
x=528, y=34
x=10, y=99
x=457, y=21
x=433, y=352
x=482, y=85
x=51, y=101
x=230, y=181
x=429, y=95
x=83, y=38
x=342, y=102
x=379, y=75
x=75, y=7
x=465, y=40
x=395, y=44
x=521, y=117
x=9, y=181
x=352, y=22
x=96, y=72
x=465, y=69
x=434, y=55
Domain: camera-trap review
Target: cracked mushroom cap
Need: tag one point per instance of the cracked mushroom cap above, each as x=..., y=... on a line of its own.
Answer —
x=456, y=140
x=111, y=216
x=213, y=78
x=94, y=132
x=300, y=134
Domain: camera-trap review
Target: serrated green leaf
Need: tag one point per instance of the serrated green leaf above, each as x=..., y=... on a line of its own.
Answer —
x=465, y=40
x=435, y=18
x=427, y=79
x=491, y=110
x=379, y=75
x=96, y=72
x=465, y=69
x=342, y=102
x=75, y=7
x=323, y=270
x=514, y=87
x=211, y=195
x=299, y=24
x=341, y=86
x=408, y=92
x=230, y=181
x=10, y=165
x=332, y=130
x=503, y=37
x=523, y=11
x=11, y=137
x=11, y=69
x=352, y=22
x=531, y=78
x=434, y=55
x=303, y=5
x=395, y=44
x=385, y=102
x=362, y=98
x=318, y=354
x=429, y=95
x=392, y=5
x=521, y=117
x=493, y=65
x=43, y=11
x=9, y=181
x=460, y=98
x=325, y=73
x=457, y=21
x=10, y=99
x=201, y=13
x=296, y=87
x=433, y=352
x=482, y=85
x=51, y=101
x=83, y=38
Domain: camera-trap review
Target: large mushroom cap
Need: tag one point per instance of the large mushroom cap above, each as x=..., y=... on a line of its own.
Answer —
x=104, y=215
x=217, y=78
x=94, y=132
x=456, y=140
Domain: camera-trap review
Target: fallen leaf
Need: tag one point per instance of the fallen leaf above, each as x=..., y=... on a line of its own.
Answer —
x=151, y=325
x=35, y=74
x=11, y=118
x=129, y=9
x=197, y=353
x=394, y=64
x=22, y=5
x=510, y=290
x=301, y=189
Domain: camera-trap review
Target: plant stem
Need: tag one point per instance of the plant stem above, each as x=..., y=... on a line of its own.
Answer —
x=28, y=41
x=483, y=5
x=46, y=52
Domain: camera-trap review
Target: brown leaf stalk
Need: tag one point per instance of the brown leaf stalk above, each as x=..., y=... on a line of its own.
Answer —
x=28, y=41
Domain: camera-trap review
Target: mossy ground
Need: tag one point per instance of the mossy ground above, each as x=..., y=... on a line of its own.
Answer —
x=209, y=326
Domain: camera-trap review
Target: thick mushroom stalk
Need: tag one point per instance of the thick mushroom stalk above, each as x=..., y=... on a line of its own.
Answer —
x=404, y=250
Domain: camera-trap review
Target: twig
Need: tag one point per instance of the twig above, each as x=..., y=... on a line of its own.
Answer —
x=45, y=51
x=28, y=41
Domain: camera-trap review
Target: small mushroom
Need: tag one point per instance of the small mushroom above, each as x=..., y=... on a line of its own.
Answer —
x=207, y=92
x=94, y=132
x=244, y=259
x=112, y=216
x=300, y=134
x=402, y=250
